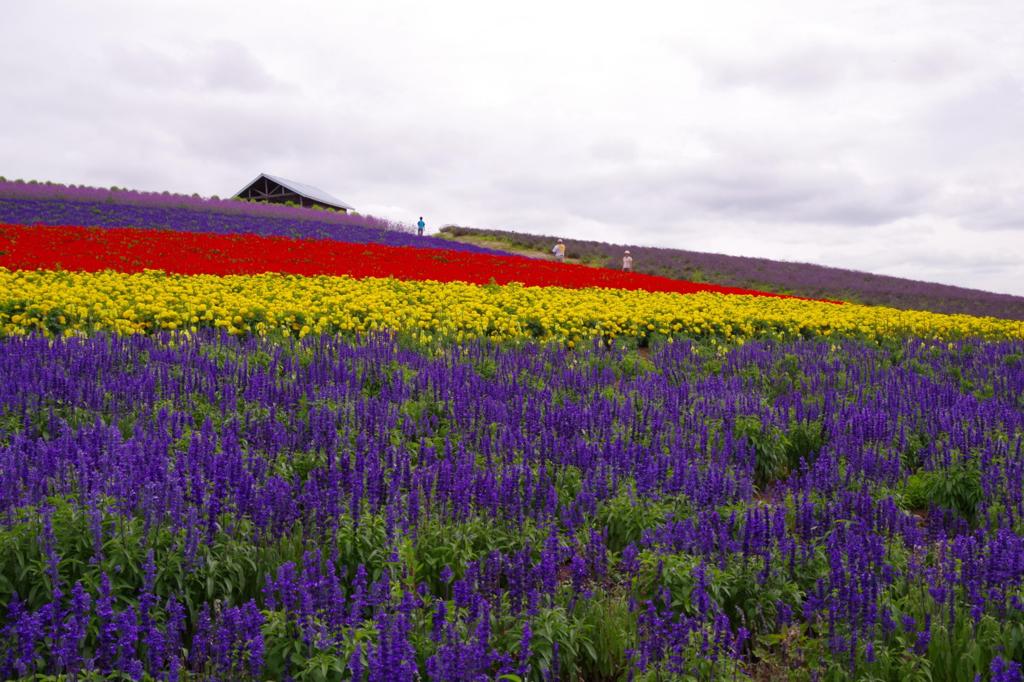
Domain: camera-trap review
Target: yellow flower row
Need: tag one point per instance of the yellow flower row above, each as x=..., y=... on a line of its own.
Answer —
x=70, y=302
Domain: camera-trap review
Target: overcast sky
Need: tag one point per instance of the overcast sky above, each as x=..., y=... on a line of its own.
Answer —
x=882, y=136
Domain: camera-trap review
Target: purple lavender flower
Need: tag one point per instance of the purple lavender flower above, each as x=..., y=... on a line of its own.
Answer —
x=1005, y=671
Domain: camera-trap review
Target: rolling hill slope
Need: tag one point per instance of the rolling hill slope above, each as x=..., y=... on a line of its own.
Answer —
x=800, y=279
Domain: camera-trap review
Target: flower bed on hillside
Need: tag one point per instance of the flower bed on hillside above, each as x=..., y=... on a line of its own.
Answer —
x=220, y=217
x=72, y=302
x=131, y=250
x=802, y=279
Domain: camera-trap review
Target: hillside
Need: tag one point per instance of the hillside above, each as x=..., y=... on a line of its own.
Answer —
x=239, y=442
x=800, y=279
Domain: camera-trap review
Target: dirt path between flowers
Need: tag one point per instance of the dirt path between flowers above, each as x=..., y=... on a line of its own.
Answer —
x=500, y=245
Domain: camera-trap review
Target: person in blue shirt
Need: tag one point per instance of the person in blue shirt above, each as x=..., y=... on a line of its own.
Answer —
x=420, y=226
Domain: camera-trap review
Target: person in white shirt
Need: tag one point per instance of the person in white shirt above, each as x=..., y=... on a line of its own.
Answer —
x=559, y=251
x=627, y=262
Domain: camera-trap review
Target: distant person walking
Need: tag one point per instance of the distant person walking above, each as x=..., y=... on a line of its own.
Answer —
x=420, y=226
x=559, y=251
x=627, y=262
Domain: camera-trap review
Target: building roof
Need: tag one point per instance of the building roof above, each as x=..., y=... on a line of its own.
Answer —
x=308, y=191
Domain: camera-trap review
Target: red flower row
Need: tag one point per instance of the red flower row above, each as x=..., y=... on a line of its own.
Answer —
x=133, y=250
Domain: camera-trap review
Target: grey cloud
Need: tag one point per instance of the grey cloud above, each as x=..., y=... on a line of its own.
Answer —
x=615, y=149
x=934, y=254
x=736, y=189
x=983, y=120
x=989, y=208
x=809, y=68
x=232, y=67
x=803, y=194
x=215, y=66
x=975, y=139
x=219, y=130
x=817, y=66
x=142, y=66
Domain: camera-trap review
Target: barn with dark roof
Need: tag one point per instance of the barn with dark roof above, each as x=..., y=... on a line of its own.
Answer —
x=278, y=190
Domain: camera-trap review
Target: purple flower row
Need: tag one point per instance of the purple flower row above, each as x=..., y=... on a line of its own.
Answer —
x=30, y=204
x=247, y=509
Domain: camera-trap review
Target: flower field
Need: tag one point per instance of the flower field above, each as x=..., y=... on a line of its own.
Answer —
x=133, y=250
x=252, y=457
x=800, y=279
x=55, y=302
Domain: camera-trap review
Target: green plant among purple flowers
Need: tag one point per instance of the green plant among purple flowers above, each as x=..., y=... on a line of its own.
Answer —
x=214, y=507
